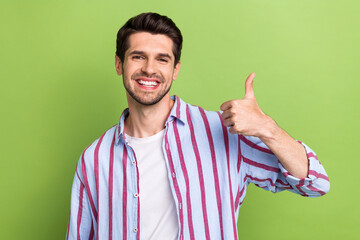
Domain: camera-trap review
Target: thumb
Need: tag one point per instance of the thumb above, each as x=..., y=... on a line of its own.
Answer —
x=249, y=90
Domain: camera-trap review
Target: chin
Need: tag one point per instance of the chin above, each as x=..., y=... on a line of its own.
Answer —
x=147, y=100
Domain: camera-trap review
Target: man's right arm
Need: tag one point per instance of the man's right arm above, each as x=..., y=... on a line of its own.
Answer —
x=266, y=171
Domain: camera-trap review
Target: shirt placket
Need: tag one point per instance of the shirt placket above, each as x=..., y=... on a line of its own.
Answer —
x=174, y=181
x=134, y=194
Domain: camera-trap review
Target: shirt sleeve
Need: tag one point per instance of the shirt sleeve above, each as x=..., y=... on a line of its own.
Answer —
x=263, y=169
x=80, y=224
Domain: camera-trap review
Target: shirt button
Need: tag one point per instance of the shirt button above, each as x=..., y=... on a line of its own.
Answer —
x=136, y=195
x=133, y=163
x=173, y=175
x=135, y=230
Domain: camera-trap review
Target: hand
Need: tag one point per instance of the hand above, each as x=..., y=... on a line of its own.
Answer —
x=245, y=117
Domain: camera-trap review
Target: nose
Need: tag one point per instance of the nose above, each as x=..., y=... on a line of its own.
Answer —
x=149, y=67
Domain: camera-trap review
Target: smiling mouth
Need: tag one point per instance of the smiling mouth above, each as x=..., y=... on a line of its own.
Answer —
x=148, y=83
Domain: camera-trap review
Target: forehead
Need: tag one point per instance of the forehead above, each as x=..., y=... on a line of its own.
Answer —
x=150, y=43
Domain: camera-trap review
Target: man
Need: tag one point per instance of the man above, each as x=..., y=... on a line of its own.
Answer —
x=170, y=170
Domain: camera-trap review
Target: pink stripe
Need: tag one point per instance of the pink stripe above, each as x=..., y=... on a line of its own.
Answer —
x=83, y=168
x=91, y=236
x=96, y=172
x=238, y=196
x=239, y=155
x=301, y=183
x=253, y=145
x=178, y=107
x=138, y=188
x=186, y=177
x=312, y=188
x=176, y=186
x=282, y=183
x=242, y=191
x=213, y=158
x=318, y=175
x=286, y=186
x=200, y=173
x=124, y=196
x=253, y=179
x=226, y=141
x=260, y=165
x=80, y=210
x=311, y=154
x=261, y=180
x=111, y=186
x=77, y=174
x=285, y=174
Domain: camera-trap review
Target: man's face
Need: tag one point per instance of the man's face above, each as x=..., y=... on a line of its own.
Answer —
x=148, y=68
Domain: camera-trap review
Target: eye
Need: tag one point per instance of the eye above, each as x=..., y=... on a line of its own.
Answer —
x=137, y=57
x=163, y=60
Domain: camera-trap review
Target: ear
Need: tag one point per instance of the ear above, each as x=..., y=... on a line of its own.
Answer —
x=176, y=70
x=118, y=65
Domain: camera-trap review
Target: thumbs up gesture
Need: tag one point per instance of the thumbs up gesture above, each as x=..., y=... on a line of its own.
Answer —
x=245, y=117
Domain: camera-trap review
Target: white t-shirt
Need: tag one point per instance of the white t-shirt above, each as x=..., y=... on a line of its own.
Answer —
x=158, y=217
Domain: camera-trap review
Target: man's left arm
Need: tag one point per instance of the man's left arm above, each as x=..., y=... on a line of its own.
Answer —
x=244, y=116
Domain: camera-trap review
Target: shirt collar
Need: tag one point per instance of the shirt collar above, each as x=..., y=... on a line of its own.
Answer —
x=178, y=111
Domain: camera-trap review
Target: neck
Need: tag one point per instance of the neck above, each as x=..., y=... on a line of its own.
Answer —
x=145, y=121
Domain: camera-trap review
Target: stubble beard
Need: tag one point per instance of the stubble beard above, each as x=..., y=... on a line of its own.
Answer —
x=143, y=99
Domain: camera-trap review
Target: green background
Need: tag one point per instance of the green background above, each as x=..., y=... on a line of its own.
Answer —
x=59, y=91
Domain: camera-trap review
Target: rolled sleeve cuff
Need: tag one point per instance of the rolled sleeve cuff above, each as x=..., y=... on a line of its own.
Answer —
x=316, y=183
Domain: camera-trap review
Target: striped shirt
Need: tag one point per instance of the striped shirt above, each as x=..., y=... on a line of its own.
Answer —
x=209, y=170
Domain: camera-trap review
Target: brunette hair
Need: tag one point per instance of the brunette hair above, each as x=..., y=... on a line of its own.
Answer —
x=152, y=23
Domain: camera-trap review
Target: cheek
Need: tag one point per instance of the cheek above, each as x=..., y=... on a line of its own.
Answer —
x=168, y=72
x=130, y=71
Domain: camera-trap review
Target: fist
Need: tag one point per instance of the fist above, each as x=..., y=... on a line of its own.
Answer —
x=244, y=116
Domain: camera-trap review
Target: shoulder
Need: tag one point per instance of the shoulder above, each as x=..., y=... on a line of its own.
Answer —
x=105, y=140
x=86, y=161
x=202, y=116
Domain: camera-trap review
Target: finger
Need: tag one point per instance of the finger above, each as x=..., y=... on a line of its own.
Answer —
x=249, y=90
x=225, y=106
x=229, y=122
x=226, y=114
x=232, y=131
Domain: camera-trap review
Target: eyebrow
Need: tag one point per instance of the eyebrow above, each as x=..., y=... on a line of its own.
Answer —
x=136, y=52
x=142, y=52
x=164, y=55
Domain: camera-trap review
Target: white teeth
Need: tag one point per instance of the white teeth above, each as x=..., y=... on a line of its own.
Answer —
x=147, y=83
